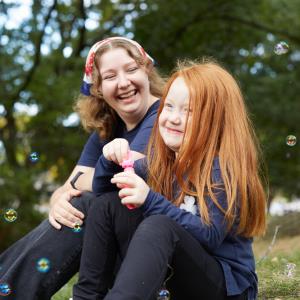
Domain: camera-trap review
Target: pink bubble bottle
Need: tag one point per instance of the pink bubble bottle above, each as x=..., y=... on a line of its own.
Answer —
x=127, y=165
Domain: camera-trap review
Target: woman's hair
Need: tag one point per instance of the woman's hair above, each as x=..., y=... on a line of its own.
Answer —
x=94, y=112
x=219, y=126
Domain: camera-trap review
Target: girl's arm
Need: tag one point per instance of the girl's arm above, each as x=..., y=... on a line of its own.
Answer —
x=108, y=164
x=138, y=193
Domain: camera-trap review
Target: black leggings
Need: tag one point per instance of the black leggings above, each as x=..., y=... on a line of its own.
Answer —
x=149, y=248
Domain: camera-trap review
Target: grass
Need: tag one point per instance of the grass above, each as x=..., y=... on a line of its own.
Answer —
x=274, y=282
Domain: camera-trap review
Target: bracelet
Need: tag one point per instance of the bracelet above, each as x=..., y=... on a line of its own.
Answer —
x=75, y=178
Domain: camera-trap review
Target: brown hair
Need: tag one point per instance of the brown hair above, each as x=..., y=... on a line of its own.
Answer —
x=219, y=126
x=94, y=112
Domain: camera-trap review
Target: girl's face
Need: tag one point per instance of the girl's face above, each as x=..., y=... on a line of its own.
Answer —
x=125, y=85
x=173, y=117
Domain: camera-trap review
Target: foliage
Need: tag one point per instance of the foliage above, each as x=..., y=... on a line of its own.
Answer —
x=43, y=56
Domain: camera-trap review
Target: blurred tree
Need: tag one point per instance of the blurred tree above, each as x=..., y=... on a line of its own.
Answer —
x=42, y=53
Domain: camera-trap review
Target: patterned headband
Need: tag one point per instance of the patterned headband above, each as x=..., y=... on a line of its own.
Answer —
x=87, y=79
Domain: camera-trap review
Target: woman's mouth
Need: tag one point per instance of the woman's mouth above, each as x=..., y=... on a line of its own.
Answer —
x=127, y=95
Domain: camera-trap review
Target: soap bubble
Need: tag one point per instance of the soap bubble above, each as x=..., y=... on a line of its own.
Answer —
x=281, y=48
x=163, y=294
x=5, y=289
x=10, y=215
x=77, y=228
x=43, y=265
x=34, y=157
x=291, y=140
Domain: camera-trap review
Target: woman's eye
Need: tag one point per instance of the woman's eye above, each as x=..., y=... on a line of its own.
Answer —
x=132, y=69
x=108, y=77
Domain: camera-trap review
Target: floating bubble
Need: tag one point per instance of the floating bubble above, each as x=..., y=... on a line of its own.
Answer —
x=291, y=140
x=43, y=265
x=77, y=228
x=34, y=157
x=290, y=269
x=281, y=48
x=10, y=215
x=163, y=294
x=5, y=289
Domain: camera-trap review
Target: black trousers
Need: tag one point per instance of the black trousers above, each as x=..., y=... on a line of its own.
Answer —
x=61, y=247
x=108, y=231
x=149, y=248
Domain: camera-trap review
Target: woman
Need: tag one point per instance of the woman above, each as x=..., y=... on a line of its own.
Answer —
x=121, y=90
x=202, y=204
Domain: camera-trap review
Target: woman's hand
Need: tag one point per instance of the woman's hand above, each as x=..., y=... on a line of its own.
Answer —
x=134, y=189
x=62, y=211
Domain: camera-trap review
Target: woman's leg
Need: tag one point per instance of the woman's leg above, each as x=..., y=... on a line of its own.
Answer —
x=160, y=241
x=61, y=247
x=108, y=232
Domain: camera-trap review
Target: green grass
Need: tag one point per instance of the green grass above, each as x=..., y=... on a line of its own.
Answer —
x=65, y=292
x=274, y=281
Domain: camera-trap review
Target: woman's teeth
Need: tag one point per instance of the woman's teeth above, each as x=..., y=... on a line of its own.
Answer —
x=127, y=95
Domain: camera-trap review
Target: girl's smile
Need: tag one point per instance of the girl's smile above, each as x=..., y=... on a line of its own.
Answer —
x=172, y=118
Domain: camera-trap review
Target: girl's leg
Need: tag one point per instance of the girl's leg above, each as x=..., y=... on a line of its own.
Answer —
x=108, y=232
x=160, y=241
x=61, y=247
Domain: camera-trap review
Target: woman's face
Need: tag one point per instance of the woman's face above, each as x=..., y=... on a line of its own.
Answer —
x=125, y=85
x=172, y=118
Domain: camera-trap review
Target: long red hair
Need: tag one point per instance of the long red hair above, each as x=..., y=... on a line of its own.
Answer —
x=219, y=126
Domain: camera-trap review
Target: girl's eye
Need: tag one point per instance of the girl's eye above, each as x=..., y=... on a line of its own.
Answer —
x=168, y=105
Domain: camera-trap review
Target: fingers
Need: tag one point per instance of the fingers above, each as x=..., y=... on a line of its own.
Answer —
x=64, y=213
x=130, y=200
x=54, y=223
x=116, y=151
x=125, y=192
x=123, y=180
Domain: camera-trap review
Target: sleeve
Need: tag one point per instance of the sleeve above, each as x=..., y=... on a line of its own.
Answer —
x=104, y=171
x=91, y=151
x=210, y=236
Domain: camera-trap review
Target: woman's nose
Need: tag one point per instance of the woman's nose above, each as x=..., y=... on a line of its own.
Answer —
x=123, y=81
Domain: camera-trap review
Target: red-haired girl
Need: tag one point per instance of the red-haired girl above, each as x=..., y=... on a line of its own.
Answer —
x=202, y=204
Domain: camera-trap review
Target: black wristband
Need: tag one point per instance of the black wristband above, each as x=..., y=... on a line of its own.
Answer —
x=73, y=181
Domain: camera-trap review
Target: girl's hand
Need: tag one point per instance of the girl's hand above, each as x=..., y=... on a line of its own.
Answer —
x=117, y=150
x=134, y=189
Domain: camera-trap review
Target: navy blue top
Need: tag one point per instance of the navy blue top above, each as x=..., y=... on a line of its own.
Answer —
x=232, y=251
x=137, y=137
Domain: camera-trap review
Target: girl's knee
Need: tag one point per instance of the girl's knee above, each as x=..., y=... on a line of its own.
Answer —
x=157, y=225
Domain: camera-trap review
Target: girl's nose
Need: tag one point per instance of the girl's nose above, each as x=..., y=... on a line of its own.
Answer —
x=175, y=118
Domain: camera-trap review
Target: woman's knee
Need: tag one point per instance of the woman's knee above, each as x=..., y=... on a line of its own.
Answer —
x=83, y=202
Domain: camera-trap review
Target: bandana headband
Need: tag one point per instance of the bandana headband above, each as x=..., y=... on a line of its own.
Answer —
x=87, y=79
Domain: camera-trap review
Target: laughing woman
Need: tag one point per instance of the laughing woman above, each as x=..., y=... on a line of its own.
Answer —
x=120, y=100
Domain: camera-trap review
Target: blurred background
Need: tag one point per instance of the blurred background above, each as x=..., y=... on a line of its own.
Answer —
x=43, y=45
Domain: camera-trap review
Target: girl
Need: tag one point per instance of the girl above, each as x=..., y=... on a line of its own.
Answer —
x=120, y=100
x=202, y=203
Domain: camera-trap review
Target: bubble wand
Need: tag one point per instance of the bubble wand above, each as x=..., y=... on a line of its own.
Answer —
x=127, y=165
